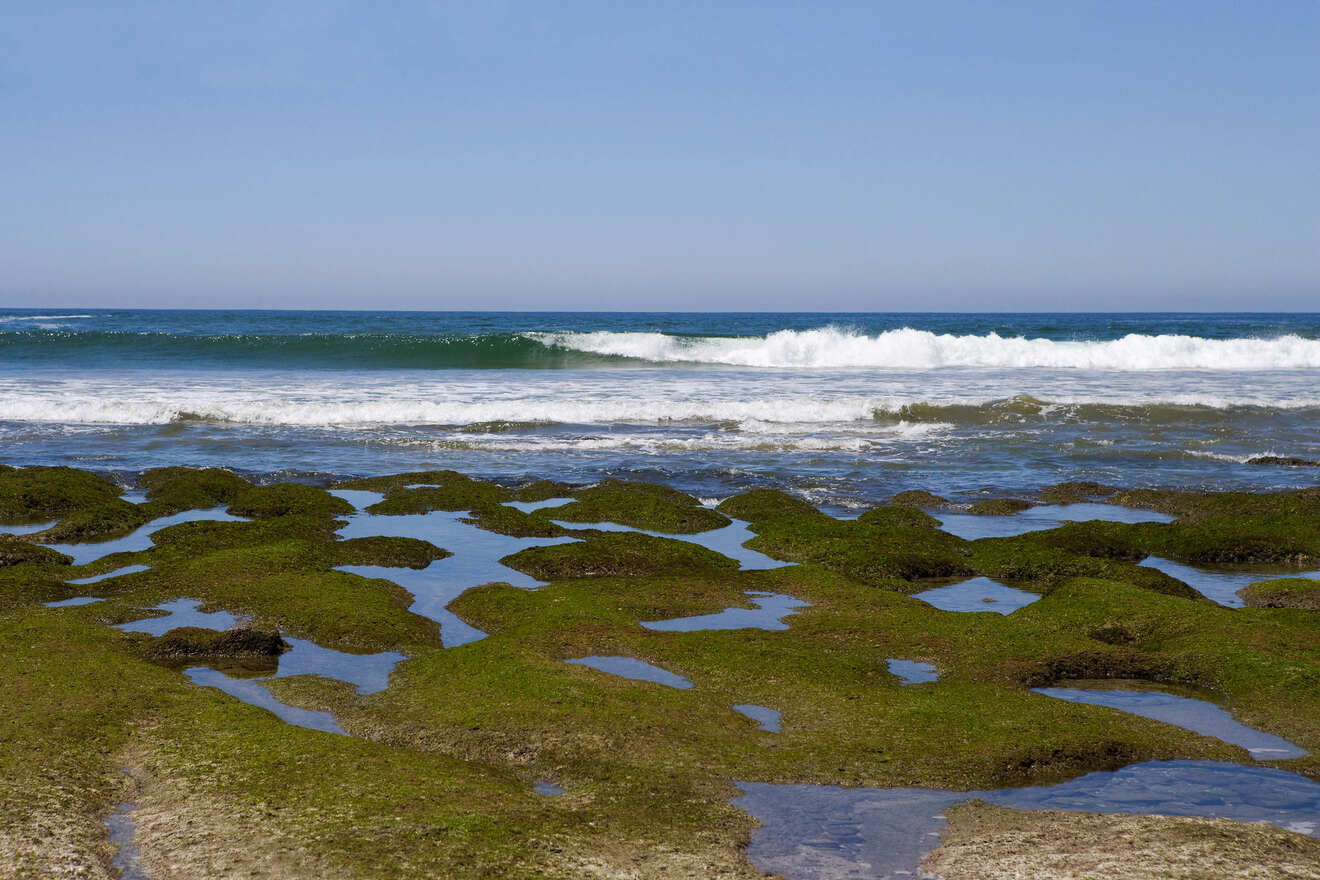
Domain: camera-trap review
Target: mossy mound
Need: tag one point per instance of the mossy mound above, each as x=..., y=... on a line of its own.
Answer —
x=1000, y=507
x=882, y=544
x=1046, y=558
x=763, y=505
x=433, y=490
x=1269, y=538
x=16, y=552
x=181, y=488
x=288, y=499
x=1200, y=505
x=34, y=493
x=511, y=521
x=1301, y=593
x=1118, y=662
x=641, y=506
x=390, y=552
x=920, y=498
x=106, y=520
x=190, y=642
x=618, y=554
x=1075, y=491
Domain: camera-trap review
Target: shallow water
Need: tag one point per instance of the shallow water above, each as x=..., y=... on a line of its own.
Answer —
x=631, y=667
x=95, y=579
x=1044, y=516
x=727, y=541
x=122, y=830
x=77, y=600
x=250, y=691
x=912, y=671
x=977, y=594
x=529, y=506
x=1219, y=585
x=1198, y=716
x=769, y=612
x=140, y=539
x=548, y=789
x=476, y=561
x=765, y=717
x=30, y=528
x=182, y=612
x=813, y=832
x=370, y=672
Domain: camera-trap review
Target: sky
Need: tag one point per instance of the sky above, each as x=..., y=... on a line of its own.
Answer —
x=1090, y=156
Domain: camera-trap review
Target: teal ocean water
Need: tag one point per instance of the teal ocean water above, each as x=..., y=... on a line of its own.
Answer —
x=842, y=408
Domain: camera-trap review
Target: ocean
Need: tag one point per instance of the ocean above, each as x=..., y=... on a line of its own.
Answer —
x=843, y=409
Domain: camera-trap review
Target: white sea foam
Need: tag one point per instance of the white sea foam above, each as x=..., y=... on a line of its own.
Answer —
x=7, y=318
x=835, y=347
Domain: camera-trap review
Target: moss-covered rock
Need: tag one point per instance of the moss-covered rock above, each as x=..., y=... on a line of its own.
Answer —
x=1222, y=538
x=16, y=552
x=1030, y=559
x=763, y=505
x=920, y=498
x=1297, y=592
x=182, y=488
x=541, y=490
x=433, y=490
x=288, y=499
x=390, y=552
x=99, y=522
x=642, y=506
x=1076, y=491
x=190, y=642
x=618, y=554
x=999, y=507
x=885, y=543
x=506, y=520
x=35, y=493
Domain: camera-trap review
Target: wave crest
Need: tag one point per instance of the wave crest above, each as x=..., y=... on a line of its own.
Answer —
x=835, y=347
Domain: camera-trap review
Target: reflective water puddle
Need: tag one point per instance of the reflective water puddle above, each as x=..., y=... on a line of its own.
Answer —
x=140, y=539
x=631, y=667
x=28, y=529
x=977, y=594
x=769, y=612
x=1198, y=716
x=912, y=671
x=548, y=789
x=96, y=579
x=370, y=672
x=76, y=600
x=1046, y=516
x=121, y=830
x=811, y=831
x=727, y=541
x=1218, y=585
x=476, y=560
x=529, y=506
x=181, y=612
x=250, y=691
x=766, y=718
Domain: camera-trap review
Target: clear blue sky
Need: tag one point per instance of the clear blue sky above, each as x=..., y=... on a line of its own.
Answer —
x=669, y=155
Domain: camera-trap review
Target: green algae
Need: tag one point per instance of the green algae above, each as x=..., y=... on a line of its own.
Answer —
x=288, y=499
x=36, y=493
x=617, y=554
x=1303, y=593
x=506, y=520
x=642, y=506
x=920, y=498
x=14, y=551
x=1075, y=492
x=434, y=779
x=180, y=488
x=1000, y=507
x=192, y=643
x=434, y=490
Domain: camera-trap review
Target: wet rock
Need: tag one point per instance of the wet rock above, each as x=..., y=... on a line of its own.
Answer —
x=999, y=507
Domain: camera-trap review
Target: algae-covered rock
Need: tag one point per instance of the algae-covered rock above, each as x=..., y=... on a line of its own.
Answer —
x=1283, y=460
x=288, y=499
x=511, y=521
x=920, y=498
x=190, y=642
x=34, y=493
x=181, y=488
x=882, y=544
x=15, y=552
x=618, y=554
x=1294, y=592
x=432, y=490
x=106, y=520
x=540, y=490
x=641, y=506
x=999, y=507
x=1047, y=558
x=393, y=552
x=1227, y=538
x=759, y=505
x=1076, y=491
